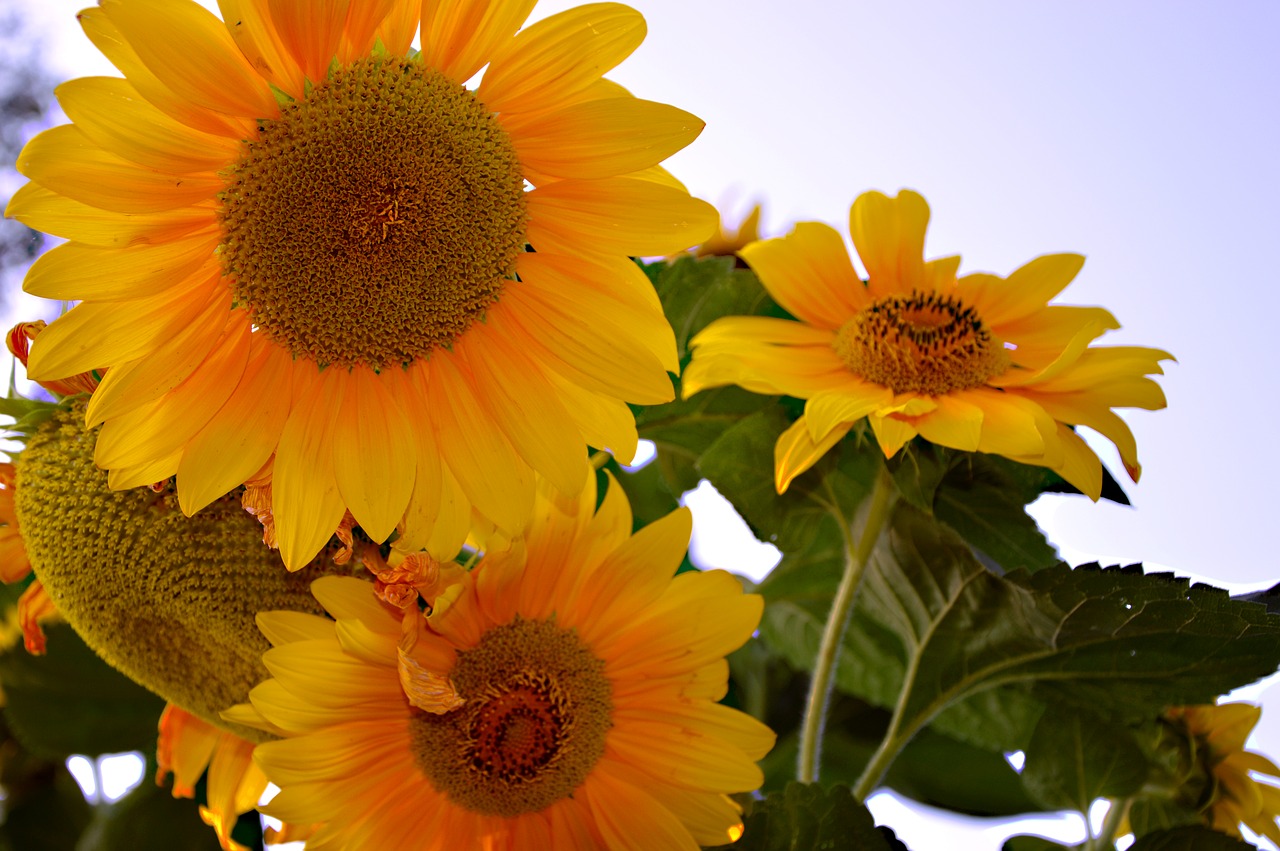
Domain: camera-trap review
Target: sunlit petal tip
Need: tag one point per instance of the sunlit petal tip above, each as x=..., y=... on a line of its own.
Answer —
x=796, y=450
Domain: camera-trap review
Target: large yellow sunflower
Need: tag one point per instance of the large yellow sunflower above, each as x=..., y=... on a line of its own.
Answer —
x=295, y=237
x=980, y=363
x=563, y=695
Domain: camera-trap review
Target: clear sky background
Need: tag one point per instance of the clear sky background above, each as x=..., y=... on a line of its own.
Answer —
x=1144, y=135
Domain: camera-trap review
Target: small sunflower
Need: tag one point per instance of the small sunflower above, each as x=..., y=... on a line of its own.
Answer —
x=980, y=363
x=1233, y=797
x=562, y=695
x=298, y=242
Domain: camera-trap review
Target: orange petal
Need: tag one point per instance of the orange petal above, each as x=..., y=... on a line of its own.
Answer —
x=190, y=50
x=460, y=36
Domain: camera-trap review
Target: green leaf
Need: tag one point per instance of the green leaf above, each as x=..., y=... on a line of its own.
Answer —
x=940, y=771
x=740, y=465
x=805, y=817
x=1190, y=838
x=71, y=702
x=682, y=430
x=149, y=819
x=695, y=292
x=27, y=414
x=932, y=621
x=918, y=470
x=1026, y=842
x=985, y=501
x=1076, y=757
x=1113, y=639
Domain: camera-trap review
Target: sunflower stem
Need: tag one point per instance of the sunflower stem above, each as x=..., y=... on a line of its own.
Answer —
x=820, y=685
x=1106, y=838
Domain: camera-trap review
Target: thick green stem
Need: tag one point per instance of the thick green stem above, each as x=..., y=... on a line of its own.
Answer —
x=855, y=561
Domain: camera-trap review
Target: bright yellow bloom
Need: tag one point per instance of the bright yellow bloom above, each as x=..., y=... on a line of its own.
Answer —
x=293, y=237
x=562, y=695
x=1233, y=797
x=981, y=363
x=187, y=747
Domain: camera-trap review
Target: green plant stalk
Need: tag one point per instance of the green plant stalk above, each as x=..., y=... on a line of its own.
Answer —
x=820, y=685
x=1106, y=839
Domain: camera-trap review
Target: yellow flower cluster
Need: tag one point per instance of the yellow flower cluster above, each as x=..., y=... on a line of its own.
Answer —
x=384, y=298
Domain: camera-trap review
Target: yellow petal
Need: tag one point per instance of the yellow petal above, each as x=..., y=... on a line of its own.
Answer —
x=605, y=138
x=283, y=627
x=526, y=407
x=191, y=52
x=347, y=597
x=1012, y=425
x=1027, y=290
x=112, y=114
x=616, y=215
x=809, y=273
x=460, y=36
x=891, y=432
x=438, y=516
x=147, y=473
x=251, y=27
x=399, y=26
x=43, y=210
x=363, y=21
x=796, y=451
x=631, y=577
x=612, y=294
x=128, y=385
x=844, y=406
x=492, y=475
x=243, y=434
x=955, y=423
x=76, y=271
x=615, y=365
x=304, y=489
x=889, y=236
x=603, y=421
x=374, y=455
x=163, y=426
x=311, y=31
x=93, y=335
x=64, y=160
x=800, y=371
x=106, y=36
x=556, y=58
x=627, y=818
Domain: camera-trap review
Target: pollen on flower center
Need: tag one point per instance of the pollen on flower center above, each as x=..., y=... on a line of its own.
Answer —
x=375, y=220
x=922, y=343
x=155, y=593
x=537, y=707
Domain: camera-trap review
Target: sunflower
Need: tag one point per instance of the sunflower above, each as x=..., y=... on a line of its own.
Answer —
x=562, y=695
x=1233, y=797
x=980, y=363
x=298, y=242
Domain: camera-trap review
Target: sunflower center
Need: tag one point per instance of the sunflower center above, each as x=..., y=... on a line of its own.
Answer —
x=921, y=343
x=375, y=220
x=156, y=594
x=533, y=725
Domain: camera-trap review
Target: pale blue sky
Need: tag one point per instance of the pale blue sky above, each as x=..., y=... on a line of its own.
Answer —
x=1141, y=134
